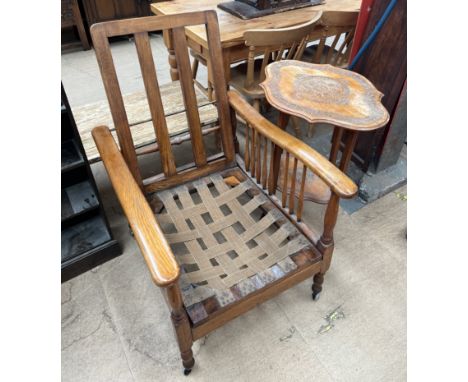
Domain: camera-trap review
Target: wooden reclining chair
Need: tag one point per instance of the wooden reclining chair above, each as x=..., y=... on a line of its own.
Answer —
x=213, y=233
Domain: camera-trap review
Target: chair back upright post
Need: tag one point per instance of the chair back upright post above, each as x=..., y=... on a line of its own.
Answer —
x=275, y=45
x=139, y=28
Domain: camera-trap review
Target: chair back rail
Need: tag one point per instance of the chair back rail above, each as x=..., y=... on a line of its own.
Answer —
x=339, y=26
x=139, y=28
x=276, y=44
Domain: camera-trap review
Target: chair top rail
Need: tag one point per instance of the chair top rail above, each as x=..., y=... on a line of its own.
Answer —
x=149, y=23
x=266, y=37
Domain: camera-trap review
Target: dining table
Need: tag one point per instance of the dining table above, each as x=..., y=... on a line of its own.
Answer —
x=232, y=28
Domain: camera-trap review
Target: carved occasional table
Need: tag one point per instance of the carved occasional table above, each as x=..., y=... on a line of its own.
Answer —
x=324, y=94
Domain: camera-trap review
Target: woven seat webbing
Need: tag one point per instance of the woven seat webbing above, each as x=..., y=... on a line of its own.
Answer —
x=225, y=242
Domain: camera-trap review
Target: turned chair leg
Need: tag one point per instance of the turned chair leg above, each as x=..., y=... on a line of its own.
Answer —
x=182, y=328
x=317, y=286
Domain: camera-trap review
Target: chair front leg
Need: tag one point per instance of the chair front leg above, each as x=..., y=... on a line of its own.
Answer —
x=326, y=244
x=317, y=286
x=182, y=327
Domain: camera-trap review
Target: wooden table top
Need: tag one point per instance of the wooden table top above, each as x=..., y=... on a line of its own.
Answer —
x=232, y=28
x=324, y=94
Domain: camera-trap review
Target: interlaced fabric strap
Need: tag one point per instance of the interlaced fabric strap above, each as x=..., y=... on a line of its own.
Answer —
x=219, y=234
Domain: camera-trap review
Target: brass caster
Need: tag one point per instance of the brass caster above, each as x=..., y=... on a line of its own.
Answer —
x=187, y=371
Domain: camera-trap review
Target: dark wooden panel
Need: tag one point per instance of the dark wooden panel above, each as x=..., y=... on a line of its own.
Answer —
x=105, y=10
x=384, y=64
x=88, y=260
x=396, y=137
x=86, y=239
x=83, y=237
x=71, y=17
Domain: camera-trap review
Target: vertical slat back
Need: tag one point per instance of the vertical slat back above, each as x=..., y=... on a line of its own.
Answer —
x=175, y=25
x=150, y=80
x=343, y=52
x=318, y=54
x=116, y=104
x=292, y=50
x=332, y=48
x=188, y=92
x=220, y=85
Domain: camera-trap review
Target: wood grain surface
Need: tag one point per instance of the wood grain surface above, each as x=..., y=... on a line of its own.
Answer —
x=139, y=117
x=339, y=183
x=324, y=94
x=232, y=28
x=153, y=245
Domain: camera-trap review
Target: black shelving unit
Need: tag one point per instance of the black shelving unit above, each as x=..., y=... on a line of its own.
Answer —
x=86, y=236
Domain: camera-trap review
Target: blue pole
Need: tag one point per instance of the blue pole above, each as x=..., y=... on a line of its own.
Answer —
x=374, y=34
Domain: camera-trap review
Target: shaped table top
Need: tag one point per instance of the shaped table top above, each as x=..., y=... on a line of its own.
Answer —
x=324, y=94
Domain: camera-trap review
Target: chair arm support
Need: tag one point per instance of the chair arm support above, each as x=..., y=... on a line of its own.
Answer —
x=147, y=232
x=338, y=182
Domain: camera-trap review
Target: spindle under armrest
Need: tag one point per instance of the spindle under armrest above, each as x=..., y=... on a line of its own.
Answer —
x=338, y=182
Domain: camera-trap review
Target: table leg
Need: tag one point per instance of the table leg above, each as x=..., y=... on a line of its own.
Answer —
x=336, y=141
x=174, y=72
x=348, y=150
x=283, y=120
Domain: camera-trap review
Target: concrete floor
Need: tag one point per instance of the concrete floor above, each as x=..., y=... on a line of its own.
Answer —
x=116, y=326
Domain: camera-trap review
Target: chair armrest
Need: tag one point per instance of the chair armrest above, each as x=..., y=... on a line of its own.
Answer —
x=147, y=232
x=338, y=182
